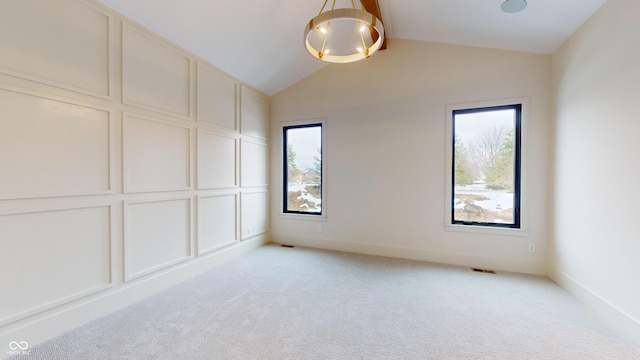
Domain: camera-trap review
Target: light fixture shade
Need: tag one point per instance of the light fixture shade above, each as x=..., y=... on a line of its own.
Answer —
x=343, y=35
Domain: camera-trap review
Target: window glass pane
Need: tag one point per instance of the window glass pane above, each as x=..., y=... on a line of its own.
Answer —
x=486, y=172
x=303, y=164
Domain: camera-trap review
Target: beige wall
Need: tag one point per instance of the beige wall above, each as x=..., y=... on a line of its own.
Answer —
x=385, y=153
x=126, y=165
x=596, y=81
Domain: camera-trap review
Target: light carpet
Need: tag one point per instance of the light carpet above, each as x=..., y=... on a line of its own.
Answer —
x=300, y=303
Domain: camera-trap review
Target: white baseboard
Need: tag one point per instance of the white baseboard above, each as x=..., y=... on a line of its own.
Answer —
x=48, y=324
x=470, y=260
x=616, y=317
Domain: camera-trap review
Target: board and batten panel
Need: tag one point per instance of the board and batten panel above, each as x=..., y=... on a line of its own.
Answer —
x=63, y=42
x=253, y=163
x=155, y=75
x=217, y=222
x=254, y=113
x=157, y=234
x=157, y=155
x=216, y=160
x=52, y=148
x=255, y=216
x=216, y=98
x=53, y=257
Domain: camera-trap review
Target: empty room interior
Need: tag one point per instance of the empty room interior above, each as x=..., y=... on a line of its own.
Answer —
x=145, y=145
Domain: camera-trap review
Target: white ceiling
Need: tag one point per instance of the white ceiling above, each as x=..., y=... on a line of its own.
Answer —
x=259, y=42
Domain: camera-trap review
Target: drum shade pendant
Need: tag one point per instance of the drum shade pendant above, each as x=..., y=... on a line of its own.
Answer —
x=343, y=35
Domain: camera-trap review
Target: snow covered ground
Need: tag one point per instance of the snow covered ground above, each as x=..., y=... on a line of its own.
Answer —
x=295, y=187
x=498, y=200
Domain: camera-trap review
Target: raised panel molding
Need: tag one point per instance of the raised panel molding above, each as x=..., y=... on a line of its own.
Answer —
x=253, y=163
x=155, y=75
x=157, y=235
x=216, y=98
x=156, y=155
x=217, y=222
x=216, y=160
x=40, y=263
x=255, y=215
x=254, y=113
x=47, y=143
x=106, y=129
x=80, y=59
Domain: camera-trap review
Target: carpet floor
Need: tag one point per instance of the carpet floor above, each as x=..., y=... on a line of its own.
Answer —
x=300, y=303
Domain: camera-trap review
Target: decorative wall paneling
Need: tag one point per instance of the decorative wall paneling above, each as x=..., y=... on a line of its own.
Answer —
x=29, y=29
x=52, y=146
x=254, y=162
x=156, y=155
x=216, y=98
x=218, y=223
x=155, y=75
x=255, y=213
x=121, y=156
x=43, y=249
x=157, y=234
x=217, y=160
x=252, y=109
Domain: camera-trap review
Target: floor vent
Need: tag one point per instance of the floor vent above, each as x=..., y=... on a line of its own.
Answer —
x=483, y=271
x=287, y=246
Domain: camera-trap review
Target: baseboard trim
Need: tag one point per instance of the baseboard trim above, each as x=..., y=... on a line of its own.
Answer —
x=616, y=317
x=48, y=324
x=519, y=265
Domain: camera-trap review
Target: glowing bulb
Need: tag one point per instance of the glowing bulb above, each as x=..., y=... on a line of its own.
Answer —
x=327, y=51
x=360, y=49
x=363, y=28
x=323, y=30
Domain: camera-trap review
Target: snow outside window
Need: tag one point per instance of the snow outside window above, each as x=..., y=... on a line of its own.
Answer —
x=302, y=145
x=486, y=166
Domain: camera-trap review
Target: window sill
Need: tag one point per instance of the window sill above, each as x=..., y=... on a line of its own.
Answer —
x=486, y=230
x=307, y=217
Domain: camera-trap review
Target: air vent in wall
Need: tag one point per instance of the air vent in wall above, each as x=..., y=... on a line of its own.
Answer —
x=483, y=271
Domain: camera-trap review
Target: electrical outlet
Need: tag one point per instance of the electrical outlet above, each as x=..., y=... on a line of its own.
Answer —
x=320, y=228
x=532, y=248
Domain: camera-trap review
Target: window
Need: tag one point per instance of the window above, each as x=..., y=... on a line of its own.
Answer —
x=486, y=175
x=302, y=178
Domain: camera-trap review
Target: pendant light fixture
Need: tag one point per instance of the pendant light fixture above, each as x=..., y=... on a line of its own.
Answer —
x=342, y=35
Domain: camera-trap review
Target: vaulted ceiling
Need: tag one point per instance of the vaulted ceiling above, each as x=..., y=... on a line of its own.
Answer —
x=260, y=42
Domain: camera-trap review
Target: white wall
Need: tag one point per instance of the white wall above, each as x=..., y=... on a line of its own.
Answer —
x=126, y=165
x=596, y=81
x=385, y=153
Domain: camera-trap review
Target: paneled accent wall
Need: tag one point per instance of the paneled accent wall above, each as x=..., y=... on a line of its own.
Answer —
x=157, y=234
x=46, y=141
x=127, y=164
x=163, y=84
x=53, y=256
x=156, y=154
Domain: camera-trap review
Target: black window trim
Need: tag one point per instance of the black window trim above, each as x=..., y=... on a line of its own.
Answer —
x=285, y=172
x=517, y=164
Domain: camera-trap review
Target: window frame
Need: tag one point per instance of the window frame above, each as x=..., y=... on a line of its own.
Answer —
x=520, y=225
x=303, y=214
